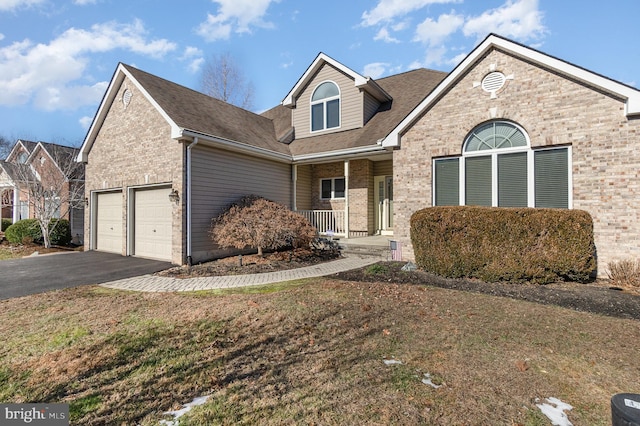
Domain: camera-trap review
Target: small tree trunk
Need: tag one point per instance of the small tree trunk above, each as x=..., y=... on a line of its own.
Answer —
x=45, y=235
x=260, y=251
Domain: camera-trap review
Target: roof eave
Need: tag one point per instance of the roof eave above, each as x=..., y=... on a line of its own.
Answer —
x=182, y=134
x=340, y=153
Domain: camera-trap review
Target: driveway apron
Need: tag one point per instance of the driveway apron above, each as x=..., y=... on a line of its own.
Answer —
x=37, y=274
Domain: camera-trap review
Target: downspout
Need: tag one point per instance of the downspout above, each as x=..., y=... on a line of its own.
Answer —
x=295, y=187
x=188, y=204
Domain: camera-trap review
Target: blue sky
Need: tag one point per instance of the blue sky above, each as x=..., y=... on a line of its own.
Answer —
x=57, y=57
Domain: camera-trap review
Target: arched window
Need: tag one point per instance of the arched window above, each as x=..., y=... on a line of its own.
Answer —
x=325, y=107
x=498, y=168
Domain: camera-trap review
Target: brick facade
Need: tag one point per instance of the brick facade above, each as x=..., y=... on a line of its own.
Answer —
x=360, y=193
x=553, y=110
x=134, y=148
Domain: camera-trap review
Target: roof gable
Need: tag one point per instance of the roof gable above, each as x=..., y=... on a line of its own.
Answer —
x=190, y=114
x=366, y=83
x=21, y=145
x=630, y=94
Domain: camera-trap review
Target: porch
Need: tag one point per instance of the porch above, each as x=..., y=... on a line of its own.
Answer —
x=346, y=199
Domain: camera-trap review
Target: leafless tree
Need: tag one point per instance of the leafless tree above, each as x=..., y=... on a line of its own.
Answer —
x=5, y=147
x=223, y=79
x=53, y=184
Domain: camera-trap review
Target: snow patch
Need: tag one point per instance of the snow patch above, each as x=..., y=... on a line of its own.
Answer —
x=427, y=381
x=392, y=362
x=184, y=410
x=555, y=411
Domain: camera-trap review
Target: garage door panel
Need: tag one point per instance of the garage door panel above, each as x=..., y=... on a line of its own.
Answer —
x=152, y=223
x=109, y=222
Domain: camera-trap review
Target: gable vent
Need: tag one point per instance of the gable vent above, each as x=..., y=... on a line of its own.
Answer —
x=493, y=82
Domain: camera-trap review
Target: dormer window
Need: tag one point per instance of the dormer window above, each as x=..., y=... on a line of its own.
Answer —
x=22, y=158
x=325, y=107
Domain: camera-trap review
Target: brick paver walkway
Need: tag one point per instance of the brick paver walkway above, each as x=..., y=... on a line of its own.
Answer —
x=153, y=283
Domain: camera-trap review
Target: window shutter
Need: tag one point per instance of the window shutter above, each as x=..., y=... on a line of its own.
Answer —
x=552, y=178
x=478, y=181
x=512, y=180
x=447, y=178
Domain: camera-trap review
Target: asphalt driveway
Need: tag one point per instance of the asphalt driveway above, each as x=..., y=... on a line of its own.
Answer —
x=37, y=274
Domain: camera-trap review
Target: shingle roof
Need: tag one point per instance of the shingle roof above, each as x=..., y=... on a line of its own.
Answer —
x=197, y=112
x=407, y=90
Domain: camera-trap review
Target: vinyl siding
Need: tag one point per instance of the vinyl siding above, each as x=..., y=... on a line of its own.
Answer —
x=371, y=106
x=383, y=168
x=221, y=177
x=303, y=188
x=351, y=103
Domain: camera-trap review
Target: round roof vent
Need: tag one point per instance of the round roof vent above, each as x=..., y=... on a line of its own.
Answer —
x=493, y=82
x=126, y=98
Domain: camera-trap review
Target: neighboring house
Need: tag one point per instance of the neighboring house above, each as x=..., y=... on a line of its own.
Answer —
x=39, y=176
x=510, y=126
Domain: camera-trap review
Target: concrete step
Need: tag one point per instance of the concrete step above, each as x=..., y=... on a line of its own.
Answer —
x=365, y=250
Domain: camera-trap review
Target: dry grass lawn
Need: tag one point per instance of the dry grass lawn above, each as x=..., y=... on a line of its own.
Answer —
x=312, y=353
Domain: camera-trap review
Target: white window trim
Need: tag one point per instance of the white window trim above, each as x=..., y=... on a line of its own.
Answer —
x=324, y=109
x=333, y=187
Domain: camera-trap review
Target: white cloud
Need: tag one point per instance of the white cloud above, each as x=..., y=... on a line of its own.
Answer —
x=235, y=15
x=435, y=32
x=8, y=5
x=84, y=2
x=1, y=36
x=195, y=65
x=45, y=73
x=375, y=69
x=388, y=10
x=195, y=57
x=519, y=19
x=384, y=35
x=85, y=122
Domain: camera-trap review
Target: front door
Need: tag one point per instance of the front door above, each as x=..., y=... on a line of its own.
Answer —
x=384, y=204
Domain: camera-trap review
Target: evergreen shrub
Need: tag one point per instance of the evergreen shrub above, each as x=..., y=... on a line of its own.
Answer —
x=504, y=244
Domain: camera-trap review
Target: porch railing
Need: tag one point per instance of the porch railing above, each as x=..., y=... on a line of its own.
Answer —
x=326, y=221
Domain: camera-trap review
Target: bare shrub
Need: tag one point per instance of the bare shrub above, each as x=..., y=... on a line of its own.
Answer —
x=255, y=222
x=624, y=272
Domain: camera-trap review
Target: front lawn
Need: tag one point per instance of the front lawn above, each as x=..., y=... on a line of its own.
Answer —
x=313, y=352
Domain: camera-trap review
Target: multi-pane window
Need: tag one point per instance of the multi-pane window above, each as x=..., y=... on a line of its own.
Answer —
x=498, y=168
x=332, y=188
x=325, y=107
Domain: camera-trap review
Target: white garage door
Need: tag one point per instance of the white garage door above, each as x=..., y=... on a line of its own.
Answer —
x=109, y=222
x=152, y=223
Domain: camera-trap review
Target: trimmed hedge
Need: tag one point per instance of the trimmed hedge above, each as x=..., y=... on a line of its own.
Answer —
x=28, y=231
x=5, y=224
x=504, y=244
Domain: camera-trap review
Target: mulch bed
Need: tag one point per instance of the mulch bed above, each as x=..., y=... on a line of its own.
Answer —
x=252, y=264
x=596, y=297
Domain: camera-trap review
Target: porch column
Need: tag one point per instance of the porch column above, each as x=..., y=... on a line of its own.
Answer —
x=294, y=178
x=16, y=206
x=346, y=198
